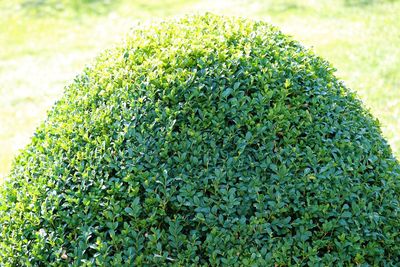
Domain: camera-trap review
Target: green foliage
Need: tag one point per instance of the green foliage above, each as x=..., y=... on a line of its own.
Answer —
x=204, y=141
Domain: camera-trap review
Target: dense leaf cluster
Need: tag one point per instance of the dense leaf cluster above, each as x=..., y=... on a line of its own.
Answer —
x=204, y=141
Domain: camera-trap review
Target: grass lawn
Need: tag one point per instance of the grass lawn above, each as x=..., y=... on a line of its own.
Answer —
x=45, y=43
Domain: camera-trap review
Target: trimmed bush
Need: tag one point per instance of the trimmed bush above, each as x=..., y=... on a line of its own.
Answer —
x=204, y=141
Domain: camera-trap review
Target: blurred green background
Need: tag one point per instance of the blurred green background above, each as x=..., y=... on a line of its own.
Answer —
x=45, y=43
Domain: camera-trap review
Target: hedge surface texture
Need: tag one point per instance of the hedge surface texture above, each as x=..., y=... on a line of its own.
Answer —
x=204, y=141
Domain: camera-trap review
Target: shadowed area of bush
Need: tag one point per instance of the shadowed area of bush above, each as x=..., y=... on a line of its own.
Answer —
x=204, y=141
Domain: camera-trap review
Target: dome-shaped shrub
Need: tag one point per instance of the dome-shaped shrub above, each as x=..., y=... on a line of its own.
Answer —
x=204, y=141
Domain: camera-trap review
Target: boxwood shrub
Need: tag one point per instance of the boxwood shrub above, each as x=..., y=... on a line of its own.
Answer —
x=204, y=141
